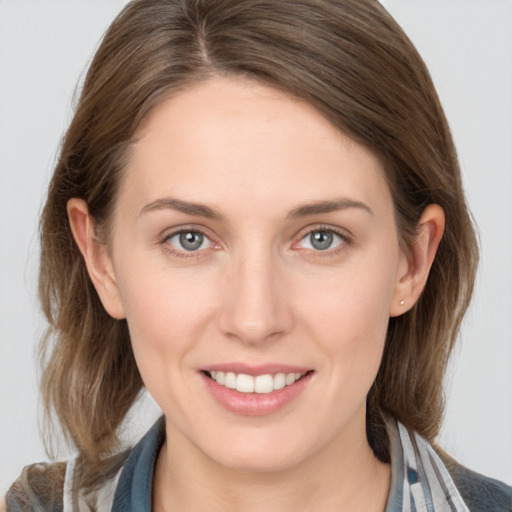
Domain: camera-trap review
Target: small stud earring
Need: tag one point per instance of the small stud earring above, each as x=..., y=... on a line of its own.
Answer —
x=402, y=302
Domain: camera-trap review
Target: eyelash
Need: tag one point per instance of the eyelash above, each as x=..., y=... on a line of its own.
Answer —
x=345, y=242
x=164, y=242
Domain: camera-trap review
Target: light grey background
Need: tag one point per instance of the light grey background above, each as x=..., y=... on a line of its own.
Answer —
x=467, y=44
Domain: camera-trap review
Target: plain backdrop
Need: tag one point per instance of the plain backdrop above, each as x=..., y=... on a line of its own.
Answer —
x=467, y=44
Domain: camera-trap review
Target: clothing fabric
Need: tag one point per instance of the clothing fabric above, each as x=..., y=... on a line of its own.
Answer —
x=422, y=481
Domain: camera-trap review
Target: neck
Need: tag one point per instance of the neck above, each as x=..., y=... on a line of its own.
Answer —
x=344, y=476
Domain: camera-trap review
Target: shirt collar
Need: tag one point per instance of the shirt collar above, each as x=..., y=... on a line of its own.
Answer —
x=419, y=480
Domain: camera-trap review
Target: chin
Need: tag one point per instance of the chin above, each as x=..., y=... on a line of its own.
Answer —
x=258, y=456
x=259, y=463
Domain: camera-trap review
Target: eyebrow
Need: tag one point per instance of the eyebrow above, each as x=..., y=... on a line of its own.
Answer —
x=187, y=207
x=202, y=210
x=327, y=207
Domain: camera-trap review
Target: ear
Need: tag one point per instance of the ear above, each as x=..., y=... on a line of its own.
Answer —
x=414, y=270
x=96, y=256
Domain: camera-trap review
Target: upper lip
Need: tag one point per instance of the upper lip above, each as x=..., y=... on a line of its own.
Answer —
x=255, y=370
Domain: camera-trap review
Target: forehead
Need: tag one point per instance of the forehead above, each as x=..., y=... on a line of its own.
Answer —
x=233, y=139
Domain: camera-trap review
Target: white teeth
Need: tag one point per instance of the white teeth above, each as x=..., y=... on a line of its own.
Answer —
x=280, y=381
x=259, y=384
x=264, y=384
x=230, y=380
x=244, y=383
x=290, y=378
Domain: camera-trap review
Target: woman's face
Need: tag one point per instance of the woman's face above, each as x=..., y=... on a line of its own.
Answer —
x=253, y=240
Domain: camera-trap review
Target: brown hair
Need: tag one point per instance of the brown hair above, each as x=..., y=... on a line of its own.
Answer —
x=350, y=60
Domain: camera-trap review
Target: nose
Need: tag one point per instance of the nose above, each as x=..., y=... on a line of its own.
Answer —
x=255, y=305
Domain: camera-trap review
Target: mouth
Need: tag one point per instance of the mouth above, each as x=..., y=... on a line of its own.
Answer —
x=256, y=391
x=260, y=384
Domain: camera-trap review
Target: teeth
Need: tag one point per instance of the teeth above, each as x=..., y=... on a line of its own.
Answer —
x=290, y=378
x=264, y=384
x=230, y=380
x=260, y=384
x=245, y=383
x=280, y=381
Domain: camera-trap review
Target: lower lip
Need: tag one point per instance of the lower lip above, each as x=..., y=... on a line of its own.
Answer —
x=256, y=404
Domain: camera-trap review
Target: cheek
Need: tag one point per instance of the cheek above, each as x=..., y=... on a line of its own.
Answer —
x=352, y=331
x=165, y=312
x=349, y=314
x=166, y=320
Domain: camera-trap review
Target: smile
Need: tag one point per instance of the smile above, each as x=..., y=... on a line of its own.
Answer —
x=256, y=391
x=262, y=384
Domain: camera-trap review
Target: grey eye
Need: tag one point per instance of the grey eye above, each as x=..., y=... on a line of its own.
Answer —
x=322, y=240
x=189, y=241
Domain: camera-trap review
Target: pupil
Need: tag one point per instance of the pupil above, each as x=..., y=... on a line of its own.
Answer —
x=321, y=240
x=191, y=241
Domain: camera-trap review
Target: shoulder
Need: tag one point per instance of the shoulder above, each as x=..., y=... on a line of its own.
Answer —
x=61, y=486
x=480, y=493
x=55, y=487
x=40, y=487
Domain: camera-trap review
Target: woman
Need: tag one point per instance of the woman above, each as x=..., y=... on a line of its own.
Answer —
x=257, y=215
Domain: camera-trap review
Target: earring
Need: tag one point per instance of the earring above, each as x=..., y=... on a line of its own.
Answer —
x=402, y=302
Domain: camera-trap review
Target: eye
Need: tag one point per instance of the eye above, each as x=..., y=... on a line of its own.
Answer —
x=189, y=241
x=322, y=240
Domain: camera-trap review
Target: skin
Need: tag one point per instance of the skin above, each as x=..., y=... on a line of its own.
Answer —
x=257, y=291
